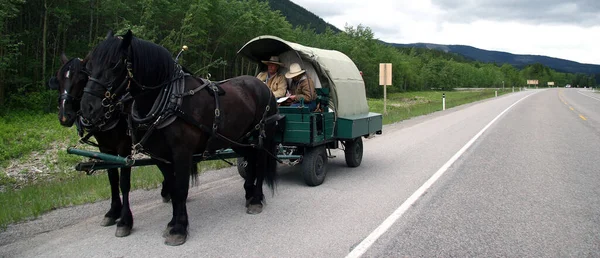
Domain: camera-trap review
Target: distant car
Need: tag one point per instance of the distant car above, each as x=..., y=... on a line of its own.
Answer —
x=568, y=86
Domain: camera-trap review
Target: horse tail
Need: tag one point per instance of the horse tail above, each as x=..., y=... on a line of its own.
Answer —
x=271, y=163
x=270, y=144
x=194, y=173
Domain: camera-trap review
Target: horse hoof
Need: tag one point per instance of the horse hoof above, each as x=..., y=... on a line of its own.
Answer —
x=166, y=199
x=167, y=232
x=123, y=231
x=254, y=209
x=175, y=240
x=107, y=221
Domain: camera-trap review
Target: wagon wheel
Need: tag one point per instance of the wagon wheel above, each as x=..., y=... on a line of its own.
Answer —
x=314, y=165
x=353, y=152
x=242, y=165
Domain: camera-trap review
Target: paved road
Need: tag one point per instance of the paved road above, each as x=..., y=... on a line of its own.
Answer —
x=528, y=187
x=524, y=188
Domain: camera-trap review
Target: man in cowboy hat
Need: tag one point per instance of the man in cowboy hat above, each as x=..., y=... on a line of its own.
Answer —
x=274, y=80
x=302, y=87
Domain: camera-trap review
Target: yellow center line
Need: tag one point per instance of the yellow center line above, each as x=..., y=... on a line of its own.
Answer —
x=570, y=107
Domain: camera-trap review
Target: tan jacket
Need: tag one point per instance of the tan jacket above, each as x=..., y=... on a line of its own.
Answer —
x=304, y=88
x=277, y=84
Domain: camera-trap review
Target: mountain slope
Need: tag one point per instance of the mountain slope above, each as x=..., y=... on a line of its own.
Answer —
x=298, y=16
x=499, y=57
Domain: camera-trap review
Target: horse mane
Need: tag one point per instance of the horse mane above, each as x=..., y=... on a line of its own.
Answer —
x=153, y=61
x=152, y=64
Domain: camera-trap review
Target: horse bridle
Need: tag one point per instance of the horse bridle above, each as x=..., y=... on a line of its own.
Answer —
x=109, y=102
x=67, y=95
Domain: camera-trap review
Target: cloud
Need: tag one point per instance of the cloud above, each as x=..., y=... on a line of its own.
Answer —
x=555, y=28
x=537, y=12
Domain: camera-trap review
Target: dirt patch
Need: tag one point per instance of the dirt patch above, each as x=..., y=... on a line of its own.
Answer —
x=35, y=166
x=40, y=166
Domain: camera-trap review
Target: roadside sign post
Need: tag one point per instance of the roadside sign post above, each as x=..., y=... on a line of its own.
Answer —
x=532, y=82
x=550, y=84
x=385, y=79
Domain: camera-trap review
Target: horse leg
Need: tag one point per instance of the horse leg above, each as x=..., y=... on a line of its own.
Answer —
x=164, y=192
x=115, y=206
x=182, y=166
x=126, y=222
x=168, y=188
x=253, y=202
x=265, y=168
x=258, y=198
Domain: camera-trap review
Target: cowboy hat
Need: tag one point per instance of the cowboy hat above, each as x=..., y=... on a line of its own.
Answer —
x=295, y=70
x=273, y=60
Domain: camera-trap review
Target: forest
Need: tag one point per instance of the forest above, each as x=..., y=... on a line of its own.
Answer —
x=35, y=33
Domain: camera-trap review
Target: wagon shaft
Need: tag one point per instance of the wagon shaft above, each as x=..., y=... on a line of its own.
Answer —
x=106, y=161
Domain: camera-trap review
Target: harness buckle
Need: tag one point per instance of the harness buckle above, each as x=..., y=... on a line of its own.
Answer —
x=136, y=148
x=106, y=102
x=217, y=113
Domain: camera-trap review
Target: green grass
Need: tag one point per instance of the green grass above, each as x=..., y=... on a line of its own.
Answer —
x=402, y=106
x=23, y=133
x=33, y=200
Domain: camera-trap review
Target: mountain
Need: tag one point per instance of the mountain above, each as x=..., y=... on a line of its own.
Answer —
x=489, y=56
x=298, y=16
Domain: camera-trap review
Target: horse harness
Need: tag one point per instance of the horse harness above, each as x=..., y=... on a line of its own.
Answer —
x=167, y=109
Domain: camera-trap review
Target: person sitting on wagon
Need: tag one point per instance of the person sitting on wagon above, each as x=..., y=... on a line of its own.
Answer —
x=274, y=80
x=301, y=87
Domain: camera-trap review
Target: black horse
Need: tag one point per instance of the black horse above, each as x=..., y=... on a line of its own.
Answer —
x=175, y=116
x=70, y=80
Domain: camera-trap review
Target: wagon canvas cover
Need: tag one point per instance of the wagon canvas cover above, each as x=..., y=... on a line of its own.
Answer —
x=329, y=68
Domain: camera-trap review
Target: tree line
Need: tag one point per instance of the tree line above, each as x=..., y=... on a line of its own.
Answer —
x=35, y=33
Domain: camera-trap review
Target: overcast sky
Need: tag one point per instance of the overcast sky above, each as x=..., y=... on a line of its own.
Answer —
x=557, y=28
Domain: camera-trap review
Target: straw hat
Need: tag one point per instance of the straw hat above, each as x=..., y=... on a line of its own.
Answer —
x=273, y=60
x=295, y=70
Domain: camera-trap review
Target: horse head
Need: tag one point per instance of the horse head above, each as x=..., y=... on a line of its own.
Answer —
x=107, y=76
x=121, y=65
x=70, y=80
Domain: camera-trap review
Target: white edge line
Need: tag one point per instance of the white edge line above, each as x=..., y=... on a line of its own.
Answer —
x=588, y=96
x=364, y=245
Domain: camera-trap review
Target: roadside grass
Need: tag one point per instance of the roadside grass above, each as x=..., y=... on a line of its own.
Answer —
x=33, y=200
x=25, y=133
x=402, y=106
x=75, y=188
